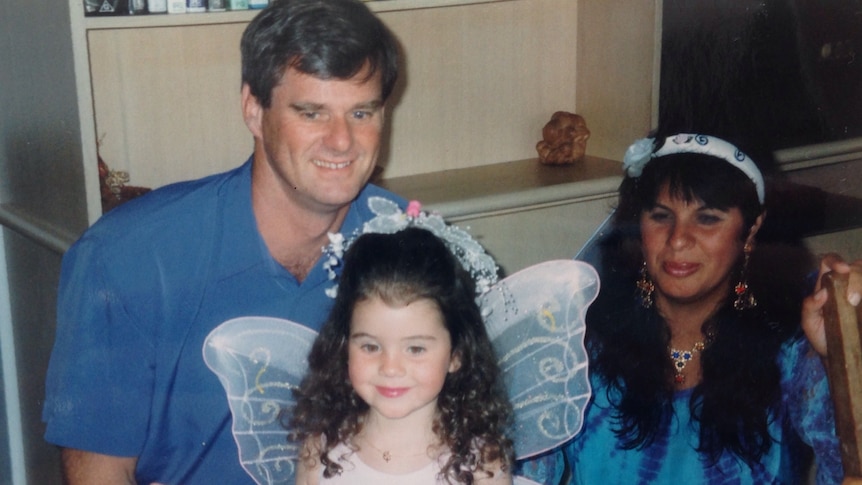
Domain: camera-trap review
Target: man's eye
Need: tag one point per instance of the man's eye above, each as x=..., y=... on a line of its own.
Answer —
x=310, y=115
x=362, y=114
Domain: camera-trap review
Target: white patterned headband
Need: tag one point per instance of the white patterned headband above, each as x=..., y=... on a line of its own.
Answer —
x=641, y=152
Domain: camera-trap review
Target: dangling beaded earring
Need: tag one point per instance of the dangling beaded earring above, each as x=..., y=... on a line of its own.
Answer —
x=645, y=288
x=744, y=298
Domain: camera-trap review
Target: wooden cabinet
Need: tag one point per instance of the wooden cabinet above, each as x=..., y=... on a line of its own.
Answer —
x=158, y=95
x=523, y=212
x=479, y=82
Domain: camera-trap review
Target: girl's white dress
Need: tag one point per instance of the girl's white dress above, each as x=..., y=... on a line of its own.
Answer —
x=355, y=471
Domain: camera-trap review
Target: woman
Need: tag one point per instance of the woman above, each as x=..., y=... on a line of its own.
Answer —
x=700, y=371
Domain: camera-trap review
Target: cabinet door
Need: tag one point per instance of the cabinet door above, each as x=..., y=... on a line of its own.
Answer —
x=167, y=101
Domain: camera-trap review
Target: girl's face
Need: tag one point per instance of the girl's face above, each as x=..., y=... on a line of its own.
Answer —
x=691, y=250
x=398, y=357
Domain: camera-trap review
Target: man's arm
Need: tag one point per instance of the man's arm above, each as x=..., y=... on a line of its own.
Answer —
x=88, y=468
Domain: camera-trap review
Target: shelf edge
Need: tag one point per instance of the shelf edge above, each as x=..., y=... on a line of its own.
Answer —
x=97, y=22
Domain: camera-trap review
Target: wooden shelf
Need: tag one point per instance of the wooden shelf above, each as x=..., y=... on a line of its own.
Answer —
x=242, y=16
x=507, y=187
x=168, y=20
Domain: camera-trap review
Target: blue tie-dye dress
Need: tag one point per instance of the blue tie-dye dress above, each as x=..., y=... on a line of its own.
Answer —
x=805, y=417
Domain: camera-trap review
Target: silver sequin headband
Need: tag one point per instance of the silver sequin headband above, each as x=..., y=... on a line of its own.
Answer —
x=389, y=219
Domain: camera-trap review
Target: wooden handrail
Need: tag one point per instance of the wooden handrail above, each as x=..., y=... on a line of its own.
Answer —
x=845, y=372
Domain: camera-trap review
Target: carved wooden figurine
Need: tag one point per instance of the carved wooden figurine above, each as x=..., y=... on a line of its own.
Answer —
x=564, y=139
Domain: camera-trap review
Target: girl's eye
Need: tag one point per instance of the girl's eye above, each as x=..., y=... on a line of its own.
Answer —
x=370, y=348
x=415, y=349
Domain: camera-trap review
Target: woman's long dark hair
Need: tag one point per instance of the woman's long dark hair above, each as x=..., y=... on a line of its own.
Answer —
x=473, y=411
x=629, y=343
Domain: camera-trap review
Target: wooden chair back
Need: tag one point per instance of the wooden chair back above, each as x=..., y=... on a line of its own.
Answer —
x=845, y=372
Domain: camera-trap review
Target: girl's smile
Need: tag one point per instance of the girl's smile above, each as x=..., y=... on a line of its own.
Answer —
x=392, y=391
x=399, y=357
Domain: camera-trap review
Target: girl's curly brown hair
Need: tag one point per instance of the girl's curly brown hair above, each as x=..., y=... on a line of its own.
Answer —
x=474, y=413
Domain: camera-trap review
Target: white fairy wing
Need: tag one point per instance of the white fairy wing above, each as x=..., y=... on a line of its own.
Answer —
x=535, y=319
x=516, y=480
x=259, y=360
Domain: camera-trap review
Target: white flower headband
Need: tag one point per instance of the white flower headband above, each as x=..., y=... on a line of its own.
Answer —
x=641, y=152
x=390, y=219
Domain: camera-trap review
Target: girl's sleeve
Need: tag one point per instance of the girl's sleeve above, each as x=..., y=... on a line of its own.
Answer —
x=805, y=388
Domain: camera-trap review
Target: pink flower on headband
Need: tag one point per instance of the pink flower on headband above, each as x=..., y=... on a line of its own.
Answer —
x=414, y=208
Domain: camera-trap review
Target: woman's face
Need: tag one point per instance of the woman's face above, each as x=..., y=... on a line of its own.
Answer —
x=691, y=250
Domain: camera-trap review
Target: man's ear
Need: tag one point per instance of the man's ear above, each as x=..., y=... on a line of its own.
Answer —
x=252, y=111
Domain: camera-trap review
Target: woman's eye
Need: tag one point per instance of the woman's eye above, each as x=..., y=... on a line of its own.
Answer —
x=659, y=216
x=708, y=219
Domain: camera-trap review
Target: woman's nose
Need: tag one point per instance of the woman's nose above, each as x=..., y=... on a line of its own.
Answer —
x=680, y=236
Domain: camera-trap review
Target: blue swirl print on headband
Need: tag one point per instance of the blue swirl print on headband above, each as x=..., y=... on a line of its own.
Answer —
x=641, y=152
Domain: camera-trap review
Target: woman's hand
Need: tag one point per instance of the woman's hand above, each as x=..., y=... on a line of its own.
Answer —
x=812, y=306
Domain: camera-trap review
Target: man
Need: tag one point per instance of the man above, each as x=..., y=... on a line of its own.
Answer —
x=129, y=397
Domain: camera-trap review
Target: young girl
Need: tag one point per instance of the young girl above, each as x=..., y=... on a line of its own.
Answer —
x=403, y=385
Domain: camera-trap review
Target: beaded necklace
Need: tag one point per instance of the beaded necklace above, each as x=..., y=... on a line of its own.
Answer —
x=682, y=357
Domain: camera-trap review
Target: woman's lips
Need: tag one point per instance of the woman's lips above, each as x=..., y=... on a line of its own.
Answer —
x=680, y=270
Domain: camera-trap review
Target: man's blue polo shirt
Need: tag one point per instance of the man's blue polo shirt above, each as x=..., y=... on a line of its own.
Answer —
x=138, y=294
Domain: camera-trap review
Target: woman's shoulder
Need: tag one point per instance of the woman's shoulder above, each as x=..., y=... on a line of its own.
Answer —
x=794, y=349
x=802, y=368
